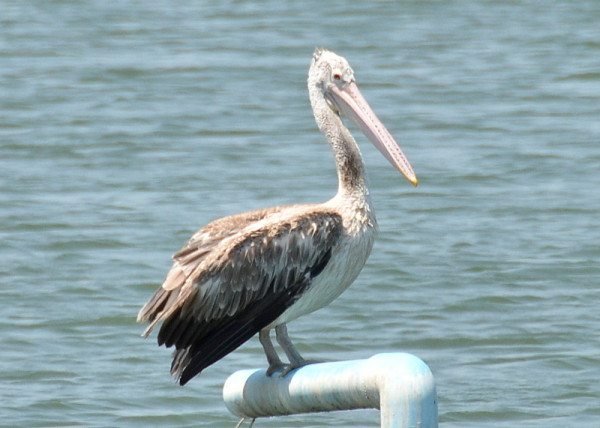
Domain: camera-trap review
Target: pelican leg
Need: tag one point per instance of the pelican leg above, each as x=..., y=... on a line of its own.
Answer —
x=275, y=363
x=290, y=350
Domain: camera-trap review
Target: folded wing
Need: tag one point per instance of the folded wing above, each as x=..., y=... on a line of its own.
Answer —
x=220, y=292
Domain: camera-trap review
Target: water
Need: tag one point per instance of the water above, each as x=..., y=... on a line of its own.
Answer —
x=125, y=126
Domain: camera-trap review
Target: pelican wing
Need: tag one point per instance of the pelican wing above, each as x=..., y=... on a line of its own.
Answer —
x=239, y=285
x=187, y=260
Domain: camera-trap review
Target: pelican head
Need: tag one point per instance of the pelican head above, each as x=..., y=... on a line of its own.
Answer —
x=334, y=79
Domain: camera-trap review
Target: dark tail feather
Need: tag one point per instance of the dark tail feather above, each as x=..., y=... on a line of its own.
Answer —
x=171, y=328
x=231, y=335
x=181, y=358
x=214, y=347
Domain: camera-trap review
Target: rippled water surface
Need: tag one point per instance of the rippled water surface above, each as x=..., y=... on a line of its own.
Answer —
x=125, y=126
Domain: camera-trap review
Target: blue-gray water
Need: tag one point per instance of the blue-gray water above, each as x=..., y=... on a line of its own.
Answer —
x=125, y=126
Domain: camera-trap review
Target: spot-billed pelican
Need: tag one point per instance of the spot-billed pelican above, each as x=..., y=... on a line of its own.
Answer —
x=256, y=271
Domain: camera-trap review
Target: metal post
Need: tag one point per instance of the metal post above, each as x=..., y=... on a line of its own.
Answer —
x=399, y=384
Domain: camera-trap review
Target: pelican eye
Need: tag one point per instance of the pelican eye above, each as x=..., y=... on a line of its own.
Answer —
x=337, y=76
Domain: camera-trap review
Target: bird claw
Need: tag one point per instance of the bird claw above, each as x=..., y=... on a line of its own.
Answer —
x=274, y=368
x=284, y=369
x=288, y=368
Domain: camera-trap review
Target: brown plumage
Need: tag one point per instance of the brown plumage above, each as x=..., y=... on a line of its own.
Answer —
x=233, y=278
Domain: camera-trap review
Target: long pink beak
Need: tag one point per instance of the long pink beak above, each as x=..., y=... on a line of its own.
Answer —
x=351, y=103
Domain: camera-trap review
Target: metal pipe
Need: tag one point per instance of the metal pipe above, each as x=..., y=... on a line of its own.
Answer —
x=399, y=384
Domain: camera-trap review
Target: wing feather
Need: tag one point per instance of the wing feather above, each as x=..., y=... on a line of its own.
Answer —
x=186, y=260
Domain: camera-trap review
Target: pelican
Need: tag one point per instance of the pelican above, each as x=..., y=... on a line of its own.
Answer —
x=256, y=271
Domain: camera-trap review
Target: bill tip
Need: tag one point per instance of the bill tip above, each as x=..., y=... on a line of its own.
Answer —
x=413, y=180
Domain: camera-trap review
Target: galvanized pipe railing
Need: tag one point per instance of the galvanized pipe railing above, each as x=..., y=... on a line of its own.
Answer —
x=399, y=384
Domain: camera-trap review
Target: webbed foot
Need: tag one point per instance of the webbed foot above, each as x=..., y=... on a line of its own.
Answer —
x=275, y=368
x=297, y=364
